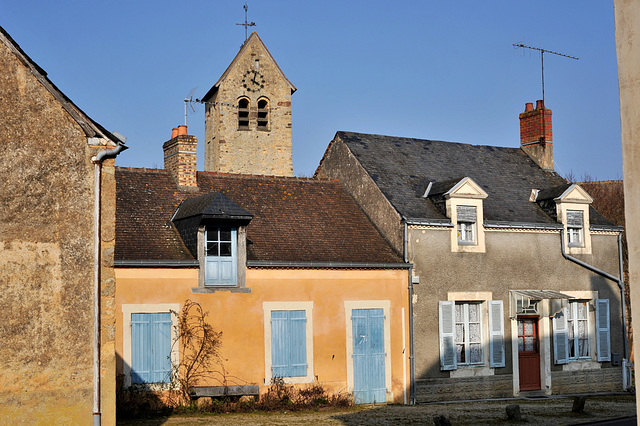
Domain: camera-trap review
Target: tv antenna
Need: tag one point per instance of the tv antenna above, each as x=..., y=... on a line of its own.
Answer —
x=542, y=52
x=188, y=102
x=246, y=24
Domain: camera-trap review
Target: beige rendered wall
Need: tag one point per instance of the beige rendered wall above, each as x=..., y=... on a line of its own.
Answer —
x=513, y=260
x=627, y=21
x=46, y=258
x=240, y=316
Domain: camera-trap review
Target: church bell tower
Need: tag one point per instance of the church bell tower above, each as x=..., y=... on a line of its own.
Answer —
x=248, y=116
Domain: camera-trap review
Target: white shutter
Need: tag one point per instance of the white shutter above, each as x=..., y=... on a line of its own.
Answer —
x=602, y=330
x=448, y=360
x=560, y=338
x=496, y=333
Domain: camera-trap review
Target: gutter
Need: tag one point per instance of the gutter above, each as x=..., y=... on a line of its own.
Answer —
x=324, y=265
x=97, y=160
x=619, y=281
x=412, y=362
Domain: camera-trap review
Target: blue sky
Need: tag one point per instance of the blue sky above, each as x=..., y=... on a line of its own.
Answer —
x=442, y=70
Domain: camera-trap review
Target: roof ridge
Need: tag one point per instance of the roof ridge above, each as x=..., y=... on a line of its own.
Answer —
x=269, y=177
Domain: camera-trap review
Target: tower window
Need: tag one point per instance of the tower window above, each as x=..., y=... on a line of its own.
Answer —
x=263, y=114
x=243, y=113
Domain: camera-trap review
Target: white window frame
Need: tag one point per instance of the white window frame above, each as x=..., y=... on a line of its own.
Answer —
x=573, y=327
x=575, y=233
x=306, y=306
x=466, y=342
x=127, y=310
x=465, y=228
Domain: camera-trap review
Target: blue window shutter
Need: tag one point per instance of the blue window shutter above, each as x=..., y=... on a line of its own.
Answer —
x=602, y=330
x=140, y=348
x=560, y=338
x=298, y=349
x=448, y=360
x=161, y=338
x=151, y=347
x=496, y=333
x=288, y=343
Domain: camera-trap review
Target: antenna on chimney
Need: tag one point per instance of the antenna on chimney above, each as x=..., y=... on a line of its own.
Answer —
x=246, y=23
x=542, y=52
x=189, y=101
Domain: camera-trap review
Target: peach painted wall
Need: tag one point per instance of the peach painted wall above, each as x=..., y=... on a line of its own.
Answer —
x=240, y=316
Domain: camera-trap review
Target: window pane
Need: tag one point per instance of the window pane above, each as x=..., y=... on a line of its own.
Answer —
x=476, y=353
x=225, y=249
x=474, y=312
x=459, y=313
x=460, y=354
x=212, y=249
x=528, y=344
x=459, y=332
x=582, y=310
x=583, y=347
x=474, y=332
x=225, y=234
x=528, y=327
x=520, y=343
x=520, y=328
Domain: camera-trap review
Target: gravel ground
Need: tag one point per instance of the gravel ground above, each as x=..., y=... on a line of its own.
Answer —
x=547, y=411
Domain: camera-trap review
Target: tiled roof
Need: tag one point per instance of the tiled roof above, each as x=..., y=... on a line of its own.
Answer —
x=403, y=167
x=294, y=219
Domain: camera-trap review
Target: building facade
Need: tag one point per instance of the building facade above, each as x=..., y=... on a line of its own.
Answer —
x=520, y=289
x=57, y=235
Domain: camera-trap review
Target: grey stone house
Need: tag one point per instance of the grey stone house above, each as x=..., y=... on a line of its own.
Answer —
x=516, y=278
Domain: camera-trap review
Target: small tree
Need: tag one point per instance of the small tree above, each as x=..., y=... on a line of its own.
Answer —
x=199, y=345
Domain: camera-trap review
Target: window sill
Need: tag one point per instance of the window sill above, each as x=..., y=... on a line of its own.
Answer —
x=467, y=243
x=213, y=289
x=471, y=371
x=581, y=364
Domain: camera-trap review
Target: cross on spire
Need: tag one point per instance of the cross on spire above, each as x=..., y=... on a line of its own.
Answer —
x=246, y=24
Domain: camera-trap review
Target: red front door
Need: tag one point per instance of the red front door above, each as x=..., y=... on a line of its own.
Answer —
x=528, y=353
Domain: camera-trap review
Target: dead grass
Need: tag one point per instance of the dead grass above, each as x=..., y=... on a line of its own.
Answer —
x=552, y=411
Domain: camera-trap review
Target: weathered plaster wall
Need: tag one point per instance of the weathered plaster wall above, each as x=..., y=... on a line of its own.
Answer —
x=513, y=260
x=251, y=151
x=627, y=21
x=46, y=255
x=240, y=316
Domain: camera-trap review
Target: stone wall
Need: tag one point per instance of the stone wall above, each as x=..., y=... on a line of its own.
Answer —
x=431, y=390
x=47, y=256
x=252, y=149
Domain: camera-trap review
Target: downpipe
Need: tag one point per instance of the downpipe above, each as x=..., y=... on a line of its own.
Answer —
x=617, y=280
x=97, y=161
x=412, y=364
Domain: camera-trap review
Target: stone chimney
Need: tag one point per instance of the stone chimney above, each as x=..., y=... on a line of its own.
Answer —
x=180, y=157
x=536, y=134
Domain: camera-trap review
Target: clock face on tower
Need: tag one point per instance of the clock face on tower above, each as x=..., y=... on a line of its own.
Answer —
x=253, y=81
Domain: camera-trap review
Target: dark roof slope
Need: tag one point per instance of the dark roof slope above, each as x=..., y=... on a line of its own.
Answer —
x=402, y=167
x=294, y=219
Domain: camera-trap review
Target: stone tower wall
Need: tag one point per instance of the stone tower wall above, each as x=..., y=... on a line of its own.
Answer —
x=251, y=149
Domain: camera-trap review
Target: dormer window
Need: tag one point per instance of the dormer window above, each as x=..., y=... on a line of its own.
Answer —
x=221, y=256
x=575, y=226
x=263, y=114
x=243, y=113
x=214, y=230
x=466, y=224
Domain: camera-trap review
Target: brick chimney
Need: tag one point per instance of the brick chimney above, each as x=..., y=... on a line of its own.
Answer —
x=536, y=134
x=180, y=157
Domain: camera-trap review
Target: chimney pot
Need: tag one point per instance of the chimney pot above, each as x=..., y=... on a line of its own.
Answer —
x=539, y=104
x=174, y=132
x=182, y=130
x=528, y=107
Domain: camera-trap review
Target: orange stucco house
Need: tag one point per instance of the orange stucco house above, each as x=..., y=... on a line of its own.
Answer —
x=290, y=270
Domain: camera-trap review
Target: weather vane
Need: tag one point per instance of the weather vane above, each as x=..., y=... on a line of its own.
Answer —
x=246, y=24
x=542, y=52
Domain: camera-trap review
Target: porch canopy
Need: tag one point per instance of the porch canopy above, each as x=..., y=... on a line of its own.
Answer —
x=526, y=301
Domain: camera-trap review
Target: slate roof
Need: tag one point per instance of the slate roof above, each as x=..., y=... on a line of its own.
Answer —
x=294, y=219
x=403, y=167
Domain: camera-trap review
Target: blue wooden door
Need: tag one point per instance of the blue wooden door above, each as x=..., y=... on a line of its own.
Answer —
x=368, y=356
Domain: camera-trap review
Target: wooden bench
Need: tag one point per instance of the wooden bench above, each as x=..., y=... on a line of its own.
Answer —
x=214, y=391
